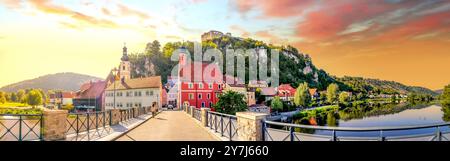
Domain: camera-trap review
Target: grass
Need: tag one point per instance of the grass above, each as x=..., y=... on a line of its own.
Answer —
x=16, y=111
x=12, y=105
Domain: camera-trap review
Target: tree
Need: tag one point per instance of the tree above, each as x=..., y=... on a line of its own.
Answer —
x=276, y=104
x=34, y=98
x=21, y=96
x=302, y=96
x=343, y=97
x=2, y=98
x=445, y=97
x=68, y=107
x=332, y=91
x=230, y=102
x=14, y=97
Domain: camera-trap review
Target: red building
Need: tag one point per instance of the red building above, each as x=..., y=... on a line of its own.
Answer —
x=286, y=92
x=196, y=87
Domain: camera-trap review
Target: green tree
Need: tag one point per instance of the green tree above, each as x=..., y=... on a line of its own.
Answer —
x=230, y=102
x=21, y=96
x=2, y=98
x=34, y=98
x=14, y=97
x=302, y=97
x=332, y=91
x=344, y=97
x=276, y=104
x=445, y=97
x=68, y=107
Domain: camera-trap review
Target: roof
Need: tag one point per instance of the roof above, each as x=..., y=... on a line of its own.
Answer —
x=312, y=91
x=91, y=89
x=268, y=91
x=136, y=83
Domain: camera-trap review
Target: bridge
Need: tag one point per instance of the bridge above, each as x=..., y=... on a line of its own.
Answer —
x=193, y=124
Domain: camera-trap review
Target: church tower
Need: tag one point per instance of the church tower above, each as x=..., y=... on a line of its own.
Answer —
x=125, y=65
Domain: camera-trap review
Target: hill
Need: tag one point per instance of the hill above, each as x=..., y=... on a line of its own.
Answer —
x=295, y=67
x=365, y=85
x=60, y=81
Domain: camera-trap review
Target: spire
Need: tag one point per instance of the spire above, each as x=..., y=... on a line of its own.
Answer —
x=125, y=53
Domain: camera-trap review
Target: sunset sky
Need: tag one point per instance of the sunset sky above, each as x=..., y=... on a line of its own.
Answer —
x=402, y=40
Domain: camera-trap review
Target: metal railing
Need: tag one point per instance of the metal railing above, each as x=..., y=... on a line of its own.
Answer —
x=21, y=127
x=78, y=123
x=277, y=131
x=224, y=124
x=126, y=114
x=197, y=114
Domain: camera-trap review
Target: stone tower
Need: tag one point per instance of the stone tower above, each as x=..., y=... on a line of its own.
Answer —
x=125, y=65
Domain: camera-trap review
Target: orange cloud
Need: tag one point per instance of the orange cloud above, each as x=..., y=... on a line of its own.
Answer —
x=242, y=31
x=275, y=8
x=12, y=3
x=127, y=11
x=47, y=7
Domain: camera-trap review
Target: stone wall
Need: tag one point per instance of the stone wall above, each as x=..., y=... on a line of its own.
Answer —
x=54, y=125
x=250, y=126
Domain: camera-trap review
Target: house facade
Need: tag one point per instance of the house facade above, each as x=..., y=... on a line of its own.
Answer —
x=137, y=92
x=61, y=98
x=90, y=96
x=195, y=88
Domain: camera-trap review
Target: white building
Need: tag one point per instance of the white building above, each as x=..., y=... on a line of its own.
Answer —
x=138, y=92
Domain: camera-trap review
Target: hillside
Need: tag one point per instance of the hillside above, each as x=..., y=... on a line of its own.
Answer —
x=364, y=85
x=61, y=81
x=295, y=67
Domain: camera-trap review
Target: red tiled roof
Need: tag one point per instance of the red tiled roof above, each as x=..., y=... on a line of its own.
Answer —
x=136, y=83
x=91, y=89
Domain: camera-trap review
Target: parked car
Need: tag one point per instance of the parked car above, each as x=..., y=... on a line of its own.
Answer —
x=169, y=106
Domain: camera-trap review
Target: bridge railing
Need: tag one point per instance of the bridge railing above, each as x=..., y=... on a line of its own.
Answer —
x=224, y=124
x=277, y=131
x=21, y=127
x=77, y=123
x=197, y=114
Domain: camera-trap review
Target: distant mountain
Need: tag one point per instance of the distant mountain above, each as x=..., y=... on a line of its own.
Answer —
x=359, y=84
x=439, y=91
x=59, y=81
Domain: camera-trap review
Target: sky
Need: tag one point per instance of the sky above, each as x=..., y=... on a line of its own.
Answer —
x=401, y=40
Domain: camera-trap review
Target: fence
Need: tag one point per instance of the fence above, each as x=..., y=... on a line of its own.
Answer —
x=197, y=113
x=86, y=122
x=20, y=127
x=224, y=124
x=276, y=131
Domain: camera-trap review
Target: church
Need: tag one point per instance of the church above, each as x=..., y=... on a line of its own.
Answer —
x=124, y=92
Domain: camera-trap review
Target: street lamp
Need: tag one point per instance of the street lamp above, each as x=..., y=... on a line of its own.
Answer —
x=114, y=72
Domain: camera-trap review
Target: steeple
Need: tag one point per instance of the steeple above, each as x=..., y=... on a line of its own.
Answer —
x=125, y=53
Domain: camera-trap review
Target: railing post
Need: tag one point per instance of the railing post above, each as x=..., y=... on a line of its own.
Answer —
x=438, y=134
x=382, y=138
x=20, y=128
x=88, y=126
x=54, y=125
x=250, y=126
x=230, y=128
x=41, y=129
x=334, y=136
x=291, y=133
x=221, y=125
x=263, y=130
x=204, y=116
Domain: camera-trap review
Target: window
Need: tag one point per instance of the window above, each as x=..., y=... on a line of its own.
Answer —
x=200, y=85
x=203, y=104
x=199, y=96
x=208, y=96
x=151, y=93
x=190, y=85
x=210, y=86
x=210, y=104
x=219, y=86
x=191, y=96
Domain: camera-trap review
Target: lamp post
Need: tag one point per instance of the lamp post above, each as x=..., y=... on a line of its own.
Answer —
x=114, y=71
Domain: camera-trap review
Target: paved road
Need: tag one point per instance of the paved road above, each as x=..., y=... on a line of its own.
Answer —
x=169, y=126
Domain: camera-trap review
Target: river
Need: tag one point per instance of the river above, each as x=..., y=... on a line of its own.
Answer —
x=389, y=115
